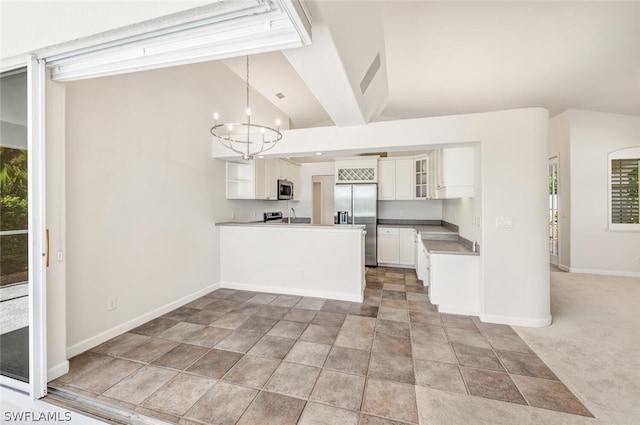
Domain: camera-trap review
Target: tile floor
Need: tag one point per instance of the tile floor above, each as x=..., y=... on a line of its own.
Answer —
x=237, y=357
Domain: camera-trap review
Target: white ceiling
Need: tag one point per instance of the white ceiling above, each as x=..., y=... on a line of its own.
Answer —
x=442, y=58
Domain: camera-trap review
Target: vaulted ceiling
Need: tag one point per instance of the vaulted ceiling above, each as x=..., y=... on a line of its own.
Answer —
x=442, y=58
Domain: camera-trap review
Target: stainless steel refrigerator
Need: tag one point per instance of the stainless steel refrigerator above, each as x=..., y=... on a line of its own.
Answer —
x=360, y=201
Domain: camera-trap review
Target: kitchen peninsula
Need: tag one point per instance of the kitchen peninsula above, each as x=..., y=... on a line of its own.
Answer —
x=325, y=261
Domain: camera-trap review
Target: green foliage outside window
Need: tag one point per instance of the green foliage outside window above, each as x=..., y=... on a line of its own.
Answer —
x=13, y=210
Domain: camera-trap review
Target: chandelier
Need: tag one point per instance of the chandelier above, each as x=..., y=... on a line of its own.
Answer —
x=246, y=138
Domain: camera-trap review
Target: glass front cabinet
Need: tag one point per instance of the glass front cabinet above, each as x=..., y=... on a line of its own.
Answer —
x=421, y=186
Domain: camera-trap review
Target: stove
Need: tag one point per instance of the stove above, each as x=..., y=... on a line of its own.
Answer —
x=272, y=216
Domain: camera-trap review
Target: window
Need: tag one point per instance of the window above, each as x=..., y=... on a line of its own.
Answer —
x=624, y=185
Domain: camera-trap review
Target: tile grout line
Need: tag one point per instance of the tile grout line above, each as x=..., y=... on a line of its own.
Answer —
x=407, y=310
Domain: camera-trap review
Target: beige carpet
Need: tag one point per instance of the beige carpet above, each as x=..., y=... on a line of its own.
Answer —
x=593, y=346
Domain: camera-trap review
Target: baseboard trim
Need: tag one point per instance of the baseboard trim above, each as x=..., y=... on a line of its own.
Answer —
x=292, y=291
x=57, y=370
x=96, y=340
x=397, y=266
x=517, y=321
x=453, y=310
x=601, y=272
x=564, y=268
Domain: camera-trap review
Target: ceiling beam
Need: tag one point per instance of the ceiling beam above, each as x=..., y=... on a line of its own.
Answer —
x=339, y=64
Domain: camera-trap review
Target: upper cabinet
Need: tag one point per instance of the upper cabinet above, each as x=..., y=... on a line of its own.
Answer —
x=438, y=174
x=386, y=180
x=357, y=171
x=402, y=179
x=258, y=179
x=241, y=180
x=451, y=172
x=421, y=178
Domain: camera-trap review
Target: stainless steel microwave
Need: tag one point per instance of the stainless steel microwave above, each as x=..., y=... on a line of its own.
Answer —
x=285, y=189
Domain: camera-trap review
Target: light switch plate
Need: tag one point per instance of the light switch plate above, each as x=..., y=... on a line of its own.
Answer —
x=504, y=222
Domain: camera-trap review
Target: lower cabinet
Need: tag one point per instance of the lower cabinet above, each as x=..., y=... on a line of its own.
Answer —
x=454, y=283
x=388, y=245
x=396, y=246
x=422, y=263
x=406, y=247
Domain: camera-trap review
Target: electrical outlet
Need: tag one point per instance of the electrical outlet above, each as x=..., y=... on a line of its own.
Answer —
x=233, y=215
x=301, y=272
x=60, y=256
x=112, y=303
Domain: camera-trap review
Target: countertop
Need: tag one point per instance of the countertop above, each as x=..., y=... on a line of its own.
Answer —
x=423, y=228
x=437, y=239
x=277, y=224
x=447, y=247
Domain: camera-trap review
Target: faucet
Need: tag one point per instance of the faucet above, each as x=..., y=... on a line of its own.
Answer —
x=292, y=214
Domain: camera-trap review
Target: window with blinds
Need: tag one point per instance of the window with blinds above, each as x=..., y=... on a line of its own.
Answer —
x=624, y=191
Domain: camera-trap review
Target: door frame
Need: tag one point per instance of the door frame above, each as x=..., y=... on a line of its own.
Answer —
x=37, y=385
x=555, y=160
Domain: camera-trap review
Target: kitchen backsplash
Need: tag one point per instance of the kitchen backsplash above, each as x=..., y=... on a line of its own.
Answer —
x=410, y=210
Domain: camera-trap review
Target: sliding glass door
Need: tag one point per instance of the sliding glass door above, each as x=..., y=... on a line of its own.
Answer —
x=14, y=227
x=22, y=235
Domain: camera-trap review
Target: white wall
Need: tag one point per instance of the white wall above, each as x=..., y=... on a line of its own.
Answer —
x=461, y=211
x=591, y=136
x=143, y=193
x=514, y=155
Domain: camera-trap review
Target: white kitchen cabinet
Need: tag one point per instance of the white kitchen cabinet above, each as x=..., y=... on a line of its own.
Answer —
x=452, y=173
x=422, y=262
x=404, y=179
x=294, y=176
x=279, y=169
x=387, y=180
x=454, y=283
x=357, y=171
x=258, y=179
x=416, y=240
x=420, y=189
x=242, y=181
x=406, y=247
x=259, y=169
x=388, y=245
x=271, y=179
x=396, y=246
